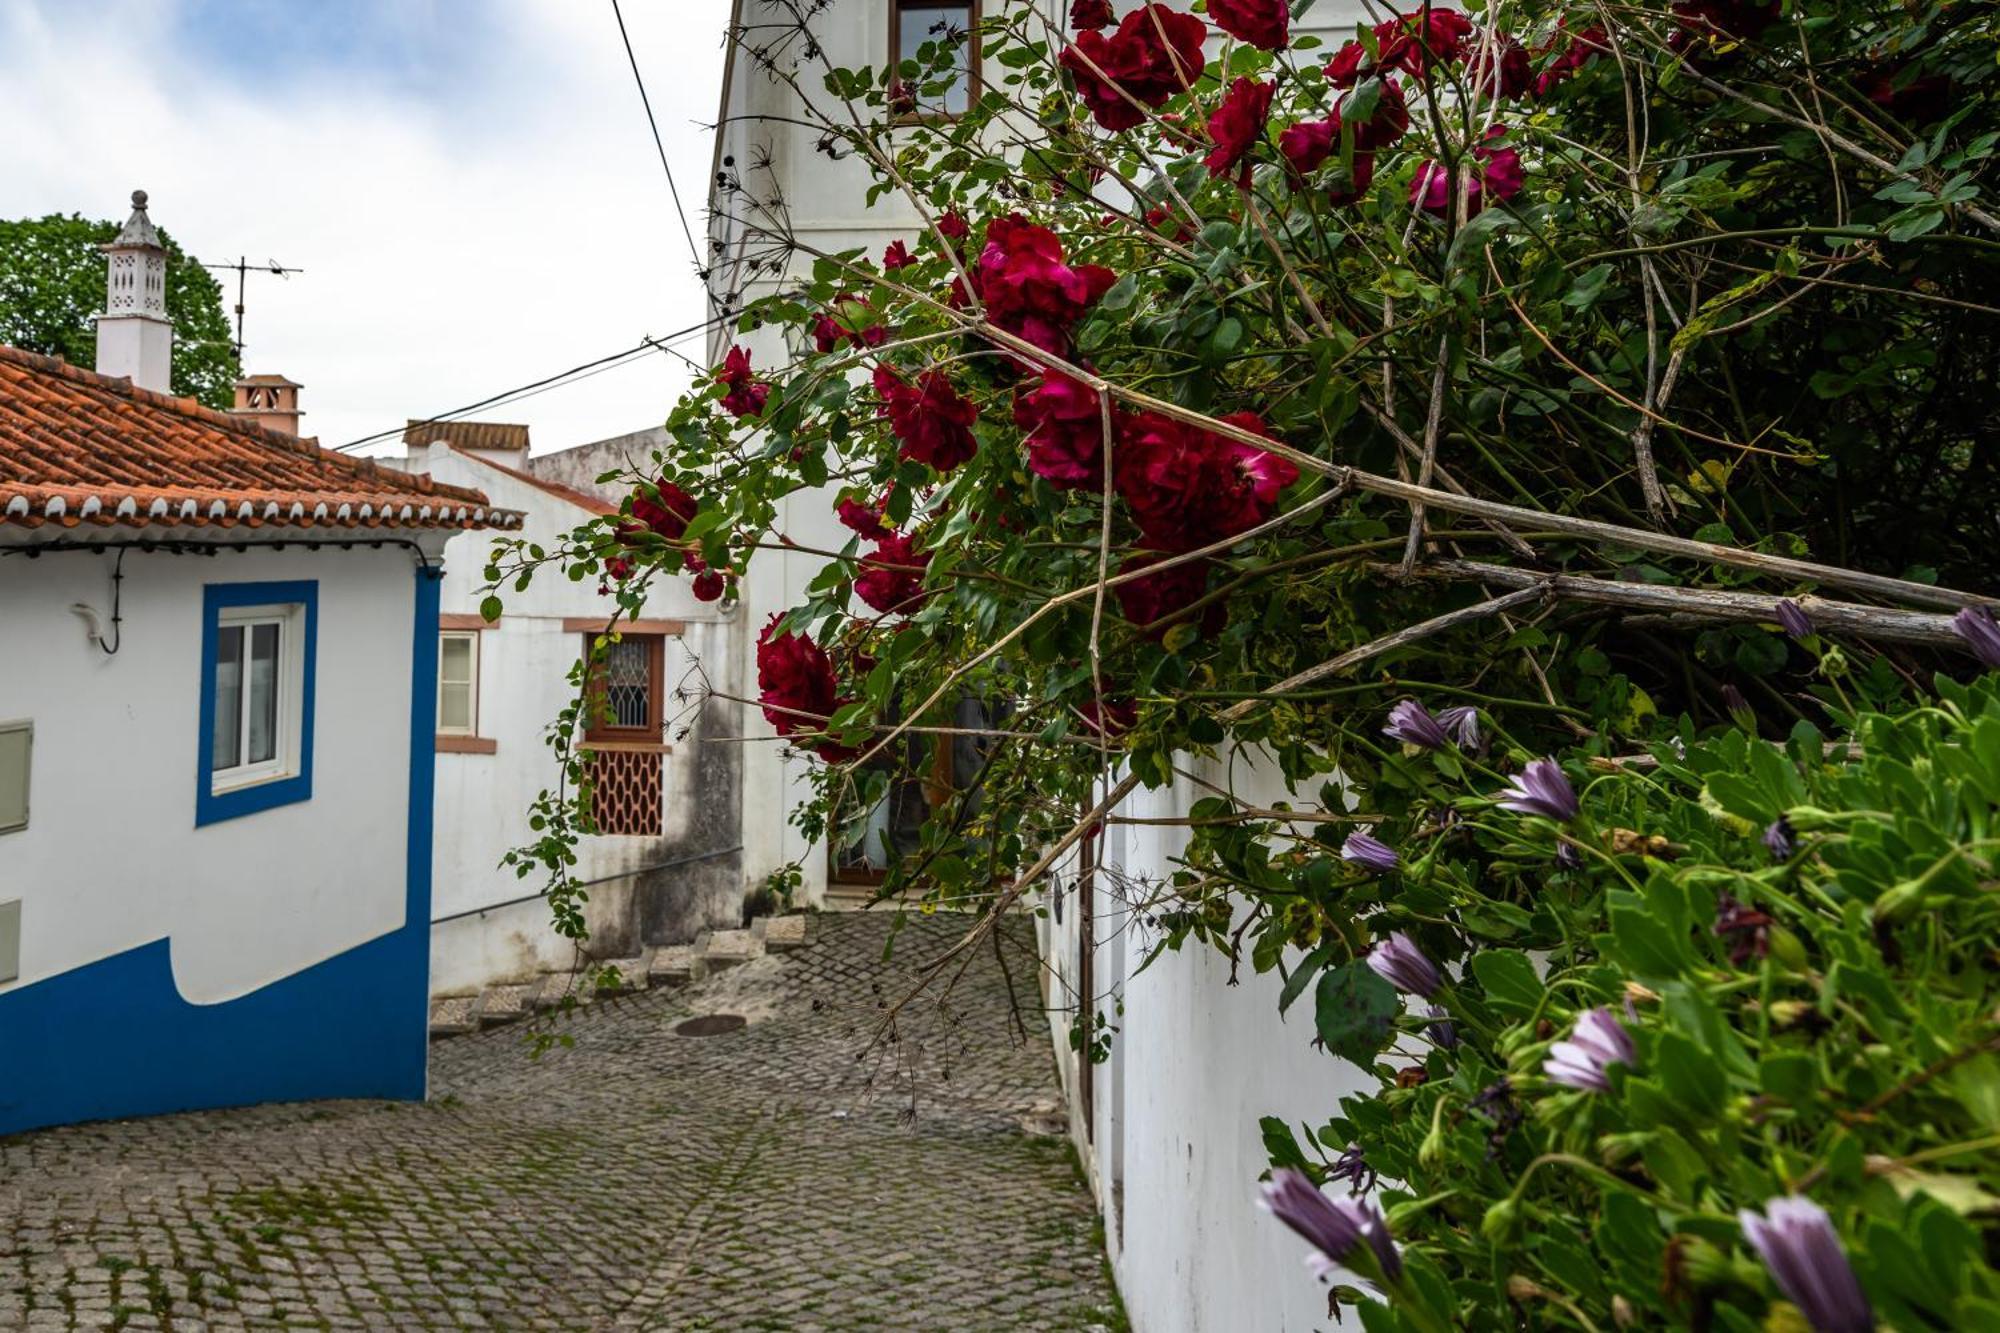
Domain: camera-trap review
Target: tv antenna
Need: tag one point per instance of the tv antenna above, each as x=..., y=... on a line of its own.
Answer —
x=243, y=268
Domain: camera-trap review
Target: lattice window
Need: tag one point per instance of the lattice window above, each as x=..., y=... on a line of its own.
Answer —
x=627, y=790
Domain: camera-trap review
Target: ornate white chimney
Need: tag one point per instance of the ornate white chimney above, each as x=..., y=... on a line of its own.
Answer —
x=135, y=339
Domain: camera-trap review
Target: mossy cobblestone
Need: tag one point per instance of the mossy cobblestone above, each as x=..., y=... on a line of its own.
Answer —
x=792, y=1175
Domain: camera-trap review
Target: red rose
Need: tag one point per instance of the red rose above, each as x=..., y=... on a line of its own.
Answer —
x=1912, y=99
x=931, y=422
x=1581, y=49
x=1350, y=189
x=619, y=567
x=1308, y=144
x=1238, y=123
x=746, y=397
x=1118, y=716
x=892, y=575
x=1515, y=73
x=897, y=256
x=952, y=226
x=795, y=682
x=1495, y=175
x=668, y=514
x=1265, y=23
x=863, y=520
x=1414, y=42
x=1028, y=289
x=847, y=321
x=1154, y=599
x=709, y=585
x=1090, y=15
x=1188, y=488
x=1348, y=65
x=1155, y=53
x=1387, y=122
x=1065, y=424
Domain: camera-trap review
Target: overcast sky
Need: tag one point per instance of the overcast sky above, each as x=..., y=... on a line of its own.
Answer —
x=469, y=185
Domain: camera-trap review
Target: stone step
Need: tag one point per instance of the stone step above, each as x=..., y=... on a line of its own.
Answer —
x=718, y=950
x=782, y=934
x=452, y=1016
x=670, y=965
x=502, y=1004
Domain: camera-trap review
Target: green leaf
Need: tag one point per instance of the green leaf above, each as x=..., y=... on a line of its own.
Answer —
x=489, y=608
x=1355, y=1012
x=1509, y=978
x=1308, y=968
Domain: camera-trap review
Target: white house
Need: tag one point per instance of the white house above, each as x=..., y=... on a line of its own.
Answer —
x=1167, y=1127
x=665, y=863
x=218, y=649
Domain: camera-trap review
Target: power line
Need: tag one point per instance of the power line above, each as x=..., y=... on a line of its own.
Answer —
x=647, y=102
x=535, y=386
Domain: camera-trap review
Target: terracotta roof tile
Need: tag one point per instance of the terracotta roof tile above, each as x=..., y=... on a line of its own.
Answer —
x=81, y=448
x=468, y=434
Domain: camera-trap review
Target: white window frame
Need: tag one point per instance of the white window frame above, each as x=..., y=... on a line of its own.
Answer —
x=471, y=636
x=284, y=761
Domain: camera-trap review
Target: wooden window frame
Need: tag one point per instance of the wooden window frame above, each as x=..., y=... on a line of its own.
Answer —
x=471, y=731
x=598, y=731
x=973, y=85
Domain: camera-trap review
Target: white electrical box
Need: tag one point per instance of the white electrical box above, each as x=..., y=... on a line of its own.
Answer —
x=17, y=746
x=10, y=941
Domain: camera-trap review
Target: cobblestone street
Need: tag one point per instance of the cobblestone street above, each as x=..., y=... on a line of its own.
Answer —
x=767, y=1178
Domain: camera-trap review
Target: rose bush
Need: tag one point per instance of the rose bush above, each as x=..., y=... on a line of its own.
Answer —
x=1532, y=417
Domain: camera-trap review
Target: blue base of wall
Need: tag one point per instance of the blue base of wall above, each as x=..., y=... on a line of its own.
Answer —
x=116, y=1039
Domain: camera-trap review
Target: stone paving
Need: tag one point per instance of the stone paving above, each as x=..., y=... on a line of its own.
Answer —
x=789, y=1175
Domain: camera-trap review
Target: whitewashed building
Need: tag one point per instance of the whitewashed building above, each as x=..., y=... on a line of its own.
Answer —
x=217, y=683
x=664, y=864
x=1167, y=1127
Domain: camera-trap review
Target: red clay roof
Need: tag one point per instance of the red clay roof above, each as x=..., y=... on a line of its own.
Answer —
x=469, y=434
x=81, y=448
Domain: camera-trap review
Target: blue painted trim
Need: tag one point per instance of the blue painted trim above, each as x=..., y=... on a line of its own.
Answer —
x=423, y=798
x=211, y=807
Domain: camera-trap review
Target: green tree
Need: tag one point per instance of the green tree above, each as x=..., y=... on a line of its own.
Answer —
x=52, y=284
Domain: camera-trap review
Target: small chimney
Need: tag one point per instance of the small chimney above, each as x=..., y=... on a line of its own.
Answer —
x=135, y=339
x=272, y=401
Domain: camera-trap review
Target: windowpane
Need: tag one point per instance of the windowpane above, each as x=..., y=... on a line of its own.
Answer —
x=455, y=707
x=455, y=659
x=227, y=742
x=263, y=710
x=936, y=22
x=628, y=682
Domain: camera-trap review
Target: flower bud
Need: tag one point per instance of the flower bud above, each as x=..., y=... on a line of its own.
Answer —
x=1502, y=1220
x=1431, y=1152
x=1787, y=948
x=1622, y=1313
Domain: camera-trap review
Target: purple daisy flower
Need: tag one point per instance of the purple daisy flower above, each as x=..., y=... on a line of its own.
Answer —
x=1975, y=624
x=1596, y=1042
x=1801, y=1249
x=1412, y=723
x=1779, y=840
x=1335, y=1228
x=1794, y=619
x=1370, y=852
x=1398, y=961
x=1541, y=789
x=1462, y=721
x=1441, y=1031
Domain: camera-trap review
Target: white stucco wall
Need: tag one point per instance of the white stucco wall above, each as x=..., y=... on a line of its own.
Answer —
x=1176, y=1152
x=483, y=799
x=111, y=858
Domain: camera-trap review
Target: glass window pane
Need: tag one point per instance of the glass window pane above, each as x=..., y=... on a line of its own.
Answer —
x=628, y=682
x=923, y=22
x=263, y=710
x=455, y=659
x=225, y=744
x=455, y=707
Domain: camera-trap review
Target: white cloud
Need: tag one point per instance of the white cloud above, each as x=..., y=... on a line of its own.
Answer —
x=460, y=235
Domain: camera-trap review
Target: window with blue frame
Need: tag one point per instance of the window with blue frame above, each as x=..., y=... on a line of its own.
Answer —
x=258, y=648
